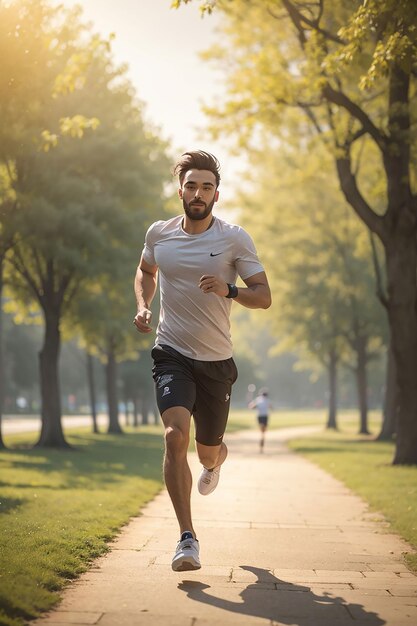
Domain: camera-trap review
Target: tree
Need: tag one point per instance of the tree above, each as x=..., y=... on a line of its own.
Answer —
x=107, y=333
x=320, y=265
x=37, y=52
x=92, y=390
x=351, y=68
x=76, y=187
x=138, y=386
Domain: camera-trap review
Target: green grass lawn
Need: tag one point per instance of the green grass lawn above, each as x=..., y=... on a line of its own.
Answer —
x=60, y=508
x=245, y=418
x=365, y=466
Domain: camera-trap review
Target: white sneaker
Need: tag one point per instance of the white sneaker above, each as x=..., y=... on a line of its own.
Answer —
x=208, y=480
x=186, y=556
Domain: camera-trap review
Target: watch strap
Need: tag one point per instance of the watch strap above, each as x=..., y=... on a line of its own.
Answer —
x=233, y=291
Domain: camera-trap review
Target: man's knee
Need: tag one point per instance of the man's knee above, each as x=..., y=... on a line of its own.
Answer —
x=208, y=455
x=208, y=461
x=176, y=440
x=177, y=430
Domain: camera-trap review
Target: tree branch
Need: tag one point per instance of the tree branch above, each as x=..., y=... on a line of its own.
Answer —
x=311, y=117
x=321, y=10
x=352, y=194
x=359, y=133
x=18, y=263
x=65, y=287
x=298, y=19
x=42, y=277
x=341, y=100
x=295, y=18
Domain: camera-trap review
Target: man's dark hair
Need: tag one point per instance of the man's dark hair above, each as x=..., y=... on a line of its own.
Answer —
x=197, y=160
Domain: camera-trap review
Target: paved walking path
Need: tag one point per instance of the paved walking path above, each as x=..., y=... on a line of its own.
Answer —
x=282, y=543
x=12, y=424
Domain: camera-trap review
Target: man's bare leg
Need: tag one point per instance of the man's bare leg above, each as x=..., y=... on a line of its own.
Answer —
x=262, y=442
x=177, y=472
x=211, y=456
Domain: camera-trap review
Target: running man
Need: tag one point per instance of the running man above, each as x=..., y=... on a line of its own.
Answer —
x=263, y=405
x=198, y=258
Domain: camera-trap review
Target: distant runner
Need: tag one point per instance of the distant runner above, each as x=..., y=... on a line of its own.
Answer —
x=264, y=406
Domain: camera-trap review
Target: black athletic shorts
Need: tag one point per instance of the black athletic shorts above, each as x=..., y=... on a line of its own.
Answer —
x=263, y=420
x=202, y=387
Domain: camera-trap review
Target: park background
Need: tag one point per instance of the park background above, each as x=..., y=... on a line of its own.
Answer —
x=311, y=110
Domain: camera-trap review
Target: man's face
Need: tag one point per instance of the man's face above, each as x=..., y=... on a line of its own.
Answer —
x=198, y=193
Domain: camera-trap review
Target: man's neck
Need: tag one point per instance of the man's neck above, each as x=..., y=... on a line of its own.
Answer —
x=196, y=227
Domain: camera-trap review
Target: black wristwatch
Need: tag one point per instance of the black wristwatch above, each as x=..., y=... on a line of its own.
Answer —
x=233, y=291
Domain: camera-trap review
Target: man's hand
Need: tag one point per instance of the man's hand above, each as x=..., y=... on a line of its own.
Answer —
x=142, y=321
x=211, y=284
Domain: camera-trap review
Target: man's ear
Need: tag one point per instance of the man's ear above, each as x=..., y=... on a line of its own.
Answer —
x=216, y=195
x=180, y=193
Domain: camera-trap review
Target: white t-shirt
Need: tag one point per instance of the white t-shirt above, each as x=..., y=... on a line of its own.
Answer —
x=194, y=323
x=263, y=405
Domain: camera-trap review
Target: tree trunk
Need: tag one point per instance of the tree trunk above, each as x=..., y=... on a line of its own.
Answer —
x=397, y=230
x=362, y=383
x=401, y=273
x=52, y=435
x=401, y=257
x=135, y=412
x=145, y=408
x=92, y=391
x=2, y=369
x=126, y=411
x=332, y=370
x=391, y=403
x=111, y=389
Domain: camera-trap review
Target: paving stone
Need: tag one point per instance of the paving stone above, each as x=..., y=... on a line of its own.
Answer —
x=71, y=617
x=343, y=576
x=144, y=619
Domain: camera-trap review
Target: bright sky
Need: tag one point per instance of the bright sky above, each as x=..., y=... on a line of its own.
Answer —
x=161, y=47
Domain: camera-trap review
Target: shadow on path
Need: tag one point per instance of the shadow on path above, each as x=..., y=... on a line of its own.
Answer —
x=274, y=599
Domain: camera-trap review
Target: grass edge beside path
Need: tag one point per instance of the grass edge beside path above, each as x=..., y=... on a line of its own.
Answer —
x=61, y=508
x=365, y=466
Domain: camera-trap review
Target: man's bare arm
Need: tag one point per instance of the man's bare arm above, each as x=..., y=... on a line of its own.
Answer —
x=256, y=294
x=145, y=287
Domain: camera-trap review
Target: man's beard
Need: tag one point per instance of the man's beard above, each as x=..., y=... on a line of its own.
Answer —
x=197, y=216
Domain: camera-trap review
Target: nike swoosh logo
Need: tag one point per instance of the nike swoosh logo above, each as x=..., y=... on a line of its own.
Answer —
x=211, y=253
